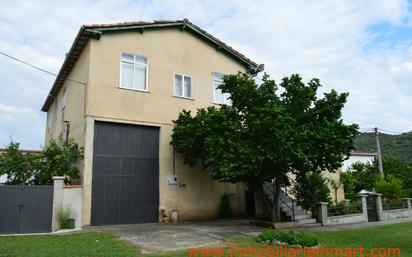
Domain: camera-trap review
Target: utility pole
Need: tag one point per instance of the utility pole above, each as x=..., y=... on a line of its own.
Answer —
x=378, y=147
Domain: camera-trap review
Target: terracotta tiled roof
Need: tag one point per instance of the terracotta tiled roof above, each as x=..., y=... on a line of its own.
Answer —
x=96, y=30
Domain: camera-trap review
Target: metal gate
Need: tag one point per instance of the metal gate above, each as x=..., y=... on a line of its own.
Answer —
x=25, y=209
x=125, y=187
x=372, y=208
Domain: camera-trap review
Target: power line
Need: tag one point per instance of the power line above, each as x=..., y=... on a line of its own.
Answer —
x=38, y=68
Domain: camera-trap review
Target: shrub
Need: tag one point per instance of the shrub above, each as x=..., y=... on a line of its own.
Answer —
x=225, y=210
x=288, y=237
x=65, y=218
x=39, y=169
x=344, y=208
x=390, y=187
x=349, y=185
x=310, y=189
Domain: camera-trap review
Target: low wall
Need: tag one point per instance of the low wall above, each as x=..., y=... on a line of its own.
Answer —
x=396, y=214
x=345, y=219
x=72, y=198
x=66, y=196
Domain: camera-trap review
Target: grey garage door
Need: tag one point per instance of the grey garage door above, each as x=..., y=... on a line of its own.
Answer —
x=25, y=209
x=125, y=174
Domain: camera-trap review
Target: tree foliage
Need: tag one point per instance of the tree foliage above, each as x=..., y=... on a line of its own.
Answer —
x=39, y=169
x=311, y=188
x=390, y=187
x=268, y=131
x=366, y=176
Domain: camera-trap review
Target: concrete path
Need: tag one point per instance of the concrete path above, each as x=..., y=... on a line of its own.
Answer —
x=167, y=237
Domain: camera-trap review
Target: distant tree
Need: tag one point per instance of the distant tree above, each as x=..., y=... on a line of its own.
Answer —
x=266, y=133
x=16, y=165
x=366, y=176
x=39, y=169
x=349, y=185
x=390, y=187
x=398, y=168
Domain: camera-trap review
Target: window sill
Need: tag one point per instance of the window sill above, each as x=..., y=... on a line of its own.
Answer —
x=133, y=89
x=183, y=97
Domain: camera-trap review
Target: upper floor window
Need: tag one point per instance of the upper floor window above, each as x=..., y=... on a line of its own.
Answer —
x=64, y=98
x=183, y=86
x=133, y=73
x=218, y=96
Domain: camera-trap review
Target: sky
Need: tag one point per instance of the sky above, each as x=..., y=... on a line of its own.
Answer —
x=363, y=47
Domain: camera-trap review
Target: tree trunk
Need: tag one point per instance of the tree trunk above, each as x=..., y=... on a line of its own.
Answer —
x=276, y=201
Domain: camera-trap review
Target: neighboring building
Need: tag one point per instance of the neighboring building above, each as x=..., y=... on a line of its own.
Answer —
x=358, y=156
x=119, y=89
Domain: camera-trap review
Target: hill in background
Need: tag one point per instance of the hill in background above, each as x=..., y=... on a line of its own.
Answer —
x=391, y=145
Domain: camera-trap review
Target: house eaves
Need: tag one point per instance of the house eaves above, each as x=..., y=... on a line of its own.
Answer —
x=95, y=31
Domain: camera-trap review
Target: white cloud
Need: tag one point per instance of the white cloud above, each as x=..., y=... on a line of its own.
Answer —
x=325, y=39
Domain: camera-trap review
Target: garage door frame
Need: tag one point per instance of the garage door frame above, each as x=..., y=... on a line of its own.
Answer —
x=119, y=198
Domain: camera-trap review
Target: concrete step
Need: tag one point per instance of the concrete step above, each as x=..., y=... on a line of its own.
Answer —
x=311, y=225
x=306, y=221
x=303, y=216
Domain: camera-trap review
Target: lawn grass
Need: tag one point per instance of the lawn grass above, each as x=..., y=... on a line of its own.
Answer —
x=386, y=236
x=101, y=244
x=91, y=244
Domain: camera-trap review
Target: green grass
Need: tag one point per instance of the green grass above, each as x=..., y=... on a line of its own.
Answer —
x=100, y=244
x=92, y=244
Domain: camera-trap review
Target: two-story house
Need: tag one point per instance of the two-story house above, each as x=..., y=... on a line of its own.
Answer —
x=116, y=94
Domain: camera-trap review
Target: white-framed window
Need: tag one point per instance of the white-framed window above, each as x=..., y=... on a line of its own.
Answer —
x=64, y=98
x=182, y=85
x=133, y=72
x=218, y=96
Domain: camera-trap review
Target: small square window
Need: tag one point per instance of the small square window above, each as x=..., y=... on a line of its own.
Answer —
x=218, y=96
x=133, y=74
x=183, y=86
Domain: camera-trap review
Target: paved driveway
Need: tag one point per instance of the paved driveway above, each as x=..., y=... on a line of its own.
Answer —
x=161, y=237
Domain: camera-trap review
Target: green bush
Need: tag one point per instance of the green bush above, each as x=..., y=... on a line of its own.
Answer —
x=390, y=187
x=288, y=237
x=65, y=218
x=344, y=208
x=311, y=188
x=225, y=210
x=39, y=168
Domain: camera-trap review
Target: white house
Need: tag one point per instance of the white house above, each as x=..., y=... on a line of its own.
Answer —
x=358, y=156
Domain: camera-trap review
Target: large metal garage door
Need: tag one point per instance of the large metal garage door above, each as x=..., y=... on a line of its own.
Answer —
x=125, y=174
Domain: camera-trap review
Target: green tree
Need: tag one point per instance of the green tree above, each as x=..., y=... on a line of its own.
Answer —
x=311, y=188
x=268, y=132
x=39, y=169
x=364, y=177
x=56, y=160
x=349, y=185
x=16, y=165
x=390, y=187
x=398, y=168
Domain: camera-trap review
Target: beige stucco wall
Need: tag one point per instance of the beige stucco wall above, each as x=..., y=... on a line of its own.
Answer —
x=336, y=177
x=168, y=51
x=74, y=110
